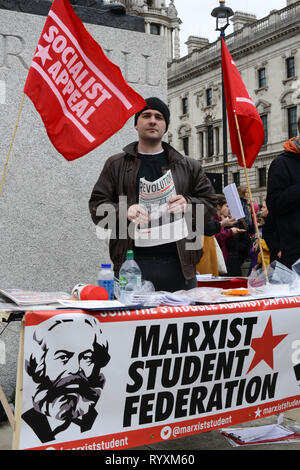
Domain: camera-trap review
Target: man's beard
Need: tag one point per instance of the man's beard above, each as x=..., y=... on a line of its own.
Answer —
x=68, y=398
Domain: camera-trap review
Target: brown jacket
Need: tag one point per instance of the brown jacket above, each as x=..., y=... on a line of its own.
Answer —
x=118, y=178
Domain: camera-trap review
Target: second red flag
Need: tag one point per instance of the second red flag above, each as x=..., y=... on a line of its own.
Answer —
x=239, y=103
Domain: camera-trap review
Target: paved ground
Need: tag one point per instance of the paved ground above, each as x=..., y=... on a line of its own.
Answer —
x=213, y=440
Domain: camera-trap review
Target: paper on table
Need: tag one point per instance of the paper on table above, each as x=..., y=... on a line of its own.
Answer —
x=27, y=297
x=233, y=201
x=99, y=305
x=203, y=277
x=161, y=298
x=253, y=434
x=91, y=303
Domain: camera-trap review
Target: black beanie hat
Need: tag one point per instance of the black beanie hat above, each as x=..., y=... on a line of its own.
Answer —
x=155, y=103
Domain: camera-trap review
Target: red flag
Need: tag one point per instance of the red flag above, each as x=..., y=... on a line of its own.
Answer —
x=239, y=102
x=80, y=94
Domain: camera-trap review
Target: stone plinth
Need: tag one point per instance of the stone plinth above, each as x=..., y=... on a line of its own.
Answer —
x=48, y=241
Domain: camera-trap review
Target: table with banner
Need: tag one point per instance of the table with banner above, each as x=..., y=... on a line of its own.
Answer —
x=111, y=380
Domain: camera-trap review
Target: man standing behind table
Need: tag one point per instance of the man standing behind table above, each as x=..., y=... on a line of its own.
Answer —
x=169, y=266
x=283, y=199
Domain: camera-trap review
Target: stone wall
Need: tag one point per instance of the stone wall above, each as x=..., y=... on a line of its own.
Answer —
x=48, y=241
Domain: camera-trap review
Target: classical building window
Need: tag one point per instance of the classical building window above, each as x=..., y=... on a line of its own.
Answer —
x=185, y=105
x=236, y=178
x=262, y=177
x=155, y=29
x=290, y=67
x=264, y=119
x=210, y=141
x=292, y=122
x=149, y=3
x=209, y=97
x=262, y=81
x=185, y=138
x=186, y=145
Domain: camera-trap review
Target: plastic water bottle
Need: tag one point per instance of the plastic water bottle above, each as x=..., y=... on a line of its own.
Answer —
x=130, y=278
x=106, y=279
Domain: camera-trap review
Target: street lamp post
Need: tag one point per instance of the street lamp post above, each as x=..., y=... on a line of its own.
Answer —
x=222, y=15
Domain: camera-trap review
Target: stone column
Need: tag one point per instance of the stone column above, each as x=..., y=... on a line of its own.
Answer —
x=200, y=147
x=177, y=43
x=205, y=143
x=171, y=43
x=221, y=152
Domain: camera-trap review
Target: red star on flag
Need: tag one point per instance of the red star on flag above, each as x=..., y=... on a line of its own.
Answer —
x=264, y=346
x=43, y=53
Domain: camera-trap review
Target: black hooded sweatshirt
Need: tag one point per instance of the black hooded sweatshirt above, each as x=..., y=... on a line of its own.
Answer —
x=283, y=197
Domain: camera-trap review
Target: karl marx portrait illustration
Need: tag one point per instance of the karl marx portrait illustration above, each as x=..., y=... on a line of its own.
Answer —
x=65, y=362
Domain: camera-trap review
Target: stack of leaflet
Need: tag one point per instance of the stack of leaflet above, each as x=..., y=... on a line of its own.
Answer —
x=27, y=297
x=260, y=434
x=160, y=298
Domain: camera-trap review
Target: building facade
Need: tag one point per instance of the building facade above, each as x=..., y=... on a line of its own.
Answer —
x=267, y=54
x=160, y=19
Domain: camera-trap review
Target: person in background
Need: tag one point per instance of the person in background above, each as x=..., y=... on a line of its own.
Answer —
x=226, y=234
x=264, y=245
x=260, y=220
x=244, y=195
x=253, y=255
x=283, y=199
x=238, y=249
x=210, y=263
x=264, y=210
x=253, y=249
x=256, y=210
x=270, y=235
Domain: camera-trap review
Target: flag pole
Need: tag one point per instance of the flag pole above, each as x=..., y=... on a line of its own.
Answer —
x=251, y=199
x=10, y=146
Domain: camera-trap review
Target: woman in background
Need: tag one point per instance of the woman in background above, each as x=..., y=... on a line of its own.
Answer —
x=226, y=234
x=244, y=195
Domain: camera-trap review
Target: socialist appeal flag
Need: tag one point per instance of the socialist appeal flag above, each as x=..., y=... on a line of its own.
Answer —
x=80, y=94
x=239, y=102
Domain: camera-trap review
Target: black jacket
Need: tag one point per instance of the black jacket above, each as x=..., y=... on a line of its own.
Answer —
x=283, y=200
x=238, y=250
x=271, y=237
x=118, y=178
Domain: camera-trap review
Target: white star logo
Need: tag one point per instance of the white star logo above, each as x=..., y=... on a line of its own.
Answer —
x=43, y=53
x=257, y=413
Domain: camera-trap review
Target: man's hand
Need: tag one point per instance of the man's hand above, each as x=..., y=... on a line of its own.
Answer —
x=177, y=204
x=138, y=215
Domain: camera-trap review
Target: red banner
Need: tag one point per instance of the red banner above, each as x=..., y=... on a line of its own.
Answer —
x=115, y=380
x=80, y=94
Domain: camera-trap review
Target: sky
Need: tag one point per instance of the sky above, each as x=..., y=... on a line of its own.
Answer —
x=197, y=20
